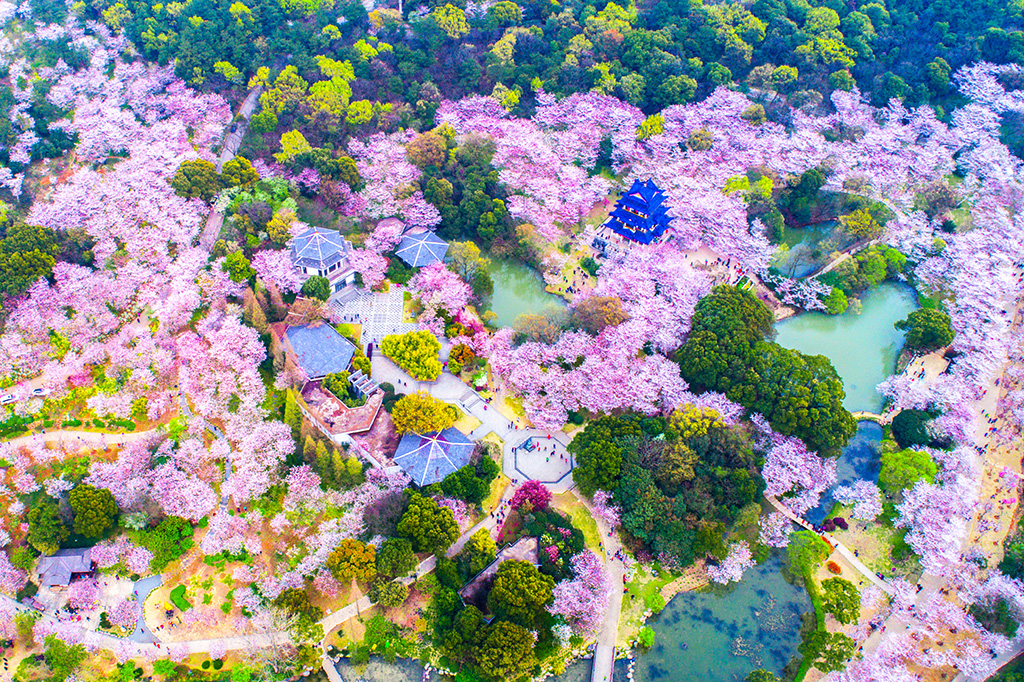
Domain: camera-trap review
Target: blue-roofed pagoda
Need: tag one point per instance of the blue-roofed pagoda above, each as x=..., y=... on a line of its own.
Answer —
x=640, y=214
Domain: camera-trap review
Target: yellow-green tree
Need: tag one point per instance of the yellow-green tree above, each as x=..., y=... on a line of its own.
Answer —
x=451, y=20
x=862, y=224
x=415, y=352
x=353, y=559
x=422, y=413
x=652, y=125
x=293, y=143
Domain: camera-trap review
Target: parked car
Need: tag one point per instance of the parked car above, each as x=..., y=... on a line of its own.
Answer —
x=7, y=399
x=40, y=391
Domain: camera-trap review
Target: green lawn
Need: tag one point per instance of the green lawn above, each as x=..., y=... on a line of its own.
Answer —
x=178, y=598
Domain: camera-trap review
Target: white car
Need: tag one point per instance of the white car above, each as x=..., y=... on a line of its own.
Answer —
x=7, y=399
x=40, y=392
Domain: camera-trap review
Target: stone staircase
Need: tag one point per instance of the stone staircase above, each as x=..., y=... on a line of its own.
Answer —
x=362, y=383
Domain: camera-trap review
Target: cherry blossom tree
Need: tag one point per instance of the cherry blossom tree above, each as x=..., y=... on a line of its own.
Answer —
x=731, y=568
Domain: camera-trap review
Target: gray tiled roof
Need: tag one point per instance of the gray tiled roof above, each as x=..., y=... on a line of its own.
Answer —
x=319, y=349
x=424, y=248
x=58, y=568
x=319, y=248
x=430, y=457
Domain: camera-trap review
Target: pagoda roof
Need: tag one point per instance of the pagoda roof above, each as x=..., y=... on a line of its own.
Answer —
x=421, y=249
x=429, y=457
x=640, y=213
x=319, y=248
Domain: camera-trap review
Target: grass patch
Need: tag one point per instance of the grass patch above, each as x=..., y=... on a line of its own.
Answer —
x=177, y=597
x=467, y=423
x=581, y=518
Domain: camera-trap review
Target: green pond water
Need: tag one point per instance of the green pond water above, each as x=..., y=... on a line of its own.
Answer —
x=722, y=634
x=862, y=346
x=518, y=289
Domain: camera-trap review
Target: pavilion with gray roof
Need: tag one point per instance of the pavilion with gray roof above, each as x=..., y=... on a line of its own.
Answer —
x=323, y=252
x=58, y=569
x=428, y=458
x=422, y=248
x=319, y=350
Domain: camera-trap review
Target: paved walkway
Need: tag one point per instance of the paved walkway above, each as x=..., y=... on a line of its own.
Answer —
x=604, y=653
x=142, y=589
x=232, y=141
x=548, y=462
x=85, y=437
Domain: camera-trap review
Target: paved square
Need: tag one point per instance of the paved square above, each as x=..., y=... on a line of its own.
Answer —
x=380, y=314
x=532, y=454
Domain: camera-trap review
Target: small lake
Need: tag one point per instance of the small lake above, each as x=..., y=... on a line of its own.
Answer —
x=863, y=346
x=803, y=242
x=518, y=289
x=727, y=632
x=858, y=461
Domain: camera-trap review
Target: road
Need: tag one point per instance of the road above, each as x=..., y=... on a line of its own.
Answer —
x=232, y=142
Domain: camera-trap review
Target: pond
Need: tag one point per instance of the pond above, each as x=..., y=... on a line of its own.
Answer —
x=858, y=461
x=803, y=243
x=862, y=346
x=518, y=289
x=721, y=635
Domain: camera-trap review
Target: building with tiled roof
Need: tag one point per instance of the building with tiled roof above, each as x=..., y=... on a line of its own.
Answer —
x=640, y=214
x=323, y=252
x=428, y=458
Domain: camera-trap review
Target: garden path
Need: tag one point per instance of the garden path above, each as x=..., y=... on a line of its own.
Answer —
x=232, y=142
x=604, y=653
x=142, y=589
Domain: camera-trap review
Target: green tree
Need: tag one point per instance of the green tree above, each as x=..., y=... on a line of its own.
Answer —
x=901, y=469
x=237, y=266
x=95, y=510
x=861, y=224
x=306, y=629
x=464, y=259
x=197, y=179
x=317, y=287
x=598, y=453
x=836, y=302
x=238, y=172
x=519, y=593
x=431, y=527
x=841, y=598
x=415, y=352
x=62, y=658
x=395, y=558
x=422, y=413
x=910, y=427
x=46, y=531
x=806, y=551
x=651, y=126
x=927, y=329
x=507, y=653
x=293, y=143
x=451, y=20
x=389, y=594
x=829, y=651
x=427, y=149
x=352, y=559
x=478, y=552
x=761, y=675
x=726, y=351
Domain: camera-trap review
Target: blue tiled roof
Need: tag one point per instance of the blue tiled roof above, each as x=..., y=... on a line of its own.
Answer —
x=430, y=457
x=319, y=248
x=320, y=350
x=424, y=248
x=640, y=214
